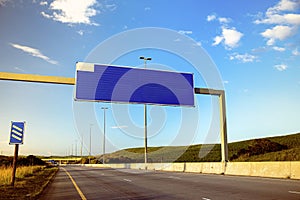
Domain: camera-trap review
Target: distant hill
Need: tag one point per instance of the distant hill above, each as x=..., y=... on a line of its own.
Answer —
x=281, y=148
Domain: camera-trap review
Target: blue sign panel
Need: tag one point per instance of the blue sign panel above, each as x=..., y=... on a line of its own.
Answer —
x=133, y=85
x=17, y=132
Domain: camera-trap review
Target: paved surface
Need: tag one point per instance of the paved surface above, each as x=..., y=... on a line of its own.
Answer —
x=97, y=183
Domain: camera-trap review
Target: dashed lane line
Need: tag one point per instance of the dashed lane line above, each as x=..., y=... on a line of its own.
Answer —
x=294, y=192
x=174, y=177
x=127, y=180
x=75, y=185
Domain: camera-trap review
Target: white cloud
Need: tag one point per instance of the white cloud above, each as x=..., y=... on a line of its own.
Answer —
x=119, y=127
x=72, y=12
x=43, y=3
x=278, y=32
x=211, y=18
x=230, y=37
x=246, y=90
x=199, y=44
x=284, y=5
x=218, y=40
x=111, y=7
x=296, y=52
x=278, y=14
x=260, y=50
x=244, y=58
x=281, y=49
x=80, y=32
x=281, y=67
x=34, y=52
x=185, y=32
x=224, y=20
x=3, y=2
x=19, y=69
x=293, y=19
x=147, y=8
x=225, y=82
x=281, y=15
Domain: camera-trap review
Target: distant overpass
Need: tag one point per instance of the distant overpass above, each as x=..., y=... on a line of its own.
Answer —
x=70, y=160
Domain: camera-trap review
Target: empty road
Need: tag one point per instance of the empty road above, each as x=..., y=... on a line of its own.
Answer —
x=96, y=183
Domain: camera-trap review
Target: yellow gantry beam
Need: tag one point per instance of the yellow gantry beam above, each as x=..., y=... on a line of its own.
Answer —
x=36, y=78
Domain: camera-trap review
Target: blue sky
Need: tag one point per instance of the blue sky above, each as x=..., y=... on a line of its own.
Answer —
x=254, y=46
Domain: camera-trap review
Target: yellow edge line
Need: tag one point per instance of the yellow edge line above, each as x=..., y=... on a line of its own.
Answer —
x=75, y=185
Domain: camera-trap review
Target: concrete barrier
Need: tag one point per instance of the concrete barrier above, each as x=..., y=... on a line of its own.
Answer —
x=271, y=169
x=262, y=169
x=238, y=168
x=295, y=170
x=193, y=167
x=213, y=168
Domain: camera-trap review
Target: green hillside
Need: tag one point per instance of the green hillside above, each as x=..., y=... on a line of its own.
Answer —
x=281, y=148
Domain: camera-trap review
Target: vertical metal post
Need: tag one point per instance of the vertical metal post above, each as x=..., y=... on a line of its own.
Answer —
x=223, y=123
x=104, y=130
x=90, y=144
x=145, y=119
x=145, y=127
x=145, y=135
x=81, y=148
x=75, y=148
x=13, y=177
x=223, y=127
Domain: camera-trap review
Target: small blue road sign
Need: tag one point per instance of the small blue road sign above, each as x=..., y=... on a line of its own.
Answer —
x=17, y=132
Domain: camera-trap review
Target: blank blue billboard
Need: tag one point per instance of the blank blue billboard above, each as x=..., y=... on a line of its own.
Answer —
x=133, y=85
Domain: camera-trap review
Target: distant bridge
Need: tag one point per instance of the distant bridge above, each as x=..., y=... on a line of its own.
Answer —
x=70, y=160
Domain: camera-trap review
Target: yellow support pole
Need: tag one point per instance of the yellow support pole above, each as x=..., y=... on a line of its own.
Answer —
x=223, y=123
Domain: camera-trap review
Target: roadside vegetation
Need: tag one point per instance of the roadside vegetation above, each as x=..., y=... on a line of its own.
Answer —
x=21, y=172
x=32, y=176
x=282, y=148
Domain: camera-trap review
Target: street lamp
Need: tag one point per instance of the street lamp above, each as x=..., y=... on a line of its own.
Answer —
x=90, y=143
x=104, y=108
x=145, y=116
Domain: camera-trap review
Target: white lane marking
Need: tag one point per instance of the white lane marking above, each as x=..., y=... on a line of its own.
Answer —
x=128, y=180
x=205, y=198
x=294, y=192
x=174, y=177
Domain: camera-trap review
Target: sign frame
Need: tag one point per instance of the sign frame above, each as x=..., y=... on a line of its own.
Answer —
x=16, y=133
x=90, y=68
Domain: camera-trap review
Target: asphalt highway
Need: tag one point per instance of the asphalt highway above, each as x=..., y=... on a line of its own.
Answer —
x=74, y=182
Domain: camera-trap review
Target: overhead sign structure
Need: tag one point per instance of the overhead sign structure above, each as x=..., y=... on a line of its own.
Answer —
x=133, y=85
x=17, y=132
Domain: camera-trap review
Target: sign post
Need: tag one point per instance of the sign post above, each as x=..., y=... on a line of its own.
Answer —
x=16, y=138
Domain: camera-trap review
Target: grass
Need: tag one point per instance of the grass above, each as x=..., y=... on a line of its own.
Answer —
x=29, y=184
x=210, y=152
x=21, y=172
x=284, y=155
